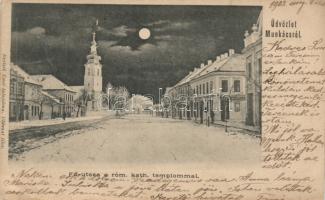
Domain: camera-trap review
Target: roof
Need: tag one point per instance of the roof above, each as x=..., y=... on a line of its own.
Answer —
x=78, y=89
x=233, y=63
x=56, y=100
x=25, y=75
x=192, y=74
x=50, y=82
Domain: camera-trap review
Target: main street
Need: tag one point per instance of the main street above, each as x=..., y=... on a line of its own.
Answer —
x=132, y=139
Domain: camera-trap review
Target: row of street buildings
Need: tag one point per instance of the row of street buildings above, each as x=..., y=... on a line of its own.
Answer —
x=38, y=96
x=226, y=89
x=35, y=97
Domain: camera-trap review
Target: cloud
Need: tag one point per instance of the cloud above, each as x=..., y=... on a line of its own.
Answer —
x=173, y=38
x=125, y=51
x=174, y=26
x=120, y=31
x=221, y=37
x=163, y=37
x=36, y=31
x=106, y=44
x=159, y=22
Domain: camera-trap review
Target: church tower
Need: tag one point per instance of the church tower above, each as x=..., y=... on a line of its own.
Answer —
x=93, y=73
x=93, y=70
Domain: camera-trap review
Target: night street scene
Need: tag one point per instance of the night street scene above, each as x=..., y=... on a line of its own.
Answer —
x=135, y=84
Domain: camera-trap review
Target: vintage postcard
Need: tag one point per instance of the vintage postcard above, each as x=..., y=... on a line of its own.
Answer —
x=166, y=100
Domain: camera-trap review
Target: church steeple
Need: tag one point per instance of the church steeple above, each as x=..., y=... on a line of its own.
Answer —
x=93, y=48
x=93, y=68
x=93, y=57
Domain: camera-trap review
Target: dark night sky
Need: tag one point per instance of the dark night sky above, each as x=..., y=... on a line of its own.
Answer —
x=55, y=39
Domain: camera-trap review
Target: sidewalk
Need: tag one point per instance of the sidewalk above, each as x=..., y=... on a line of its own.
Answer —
x=251, y=130
x=238, y=125
x=45, y=122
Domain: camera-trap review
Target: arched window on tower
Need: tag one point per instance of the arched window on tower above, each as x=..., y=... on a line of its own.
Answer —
x=97, y=72
x=88, y=72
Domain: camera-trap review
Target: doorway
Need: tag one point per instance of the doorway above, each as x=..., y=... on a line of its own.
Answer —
x=224, y=109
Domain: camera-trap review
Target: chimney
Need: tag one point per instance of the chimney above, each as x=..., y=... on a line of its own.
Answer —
x=218, y=58
x=202, y=65
x=226, y=55
x=222, y=56
x=231, y=52
x=209, y=62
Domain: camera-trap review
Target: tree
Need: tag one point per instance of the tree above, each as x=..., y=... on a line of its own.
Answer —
x=117, y=95
x=82, y=100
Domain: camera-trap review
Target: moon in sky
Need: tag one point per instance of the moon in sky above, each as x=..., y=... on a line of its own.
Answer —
x=144, y=33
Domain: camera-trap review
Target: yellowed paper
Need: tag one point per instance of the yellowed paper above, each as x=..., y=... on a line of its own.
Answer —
x=247, y=123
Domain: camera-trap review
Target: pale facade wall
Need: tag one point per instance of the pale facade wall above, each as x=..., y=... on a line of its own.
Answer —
x=253, y=54
x=67, y=98
x=237, y=98
x=47, y=111
x=33, y=98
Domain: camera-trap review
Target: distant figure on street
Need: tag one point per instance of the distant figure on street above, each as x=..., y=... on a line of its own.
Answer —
x=212, y=116
x=64, y=115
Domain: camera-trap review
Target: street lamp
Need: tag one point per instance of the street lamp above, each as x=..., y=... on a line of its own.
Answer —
x=159, y=99
x=108, y=101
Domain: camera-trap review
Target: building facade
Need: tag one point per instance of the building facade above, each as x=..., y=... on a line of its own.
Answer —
x=28, y=100
x=219, y=90
x=213, y=92
x=60, y=91
x=51, y=106
x=16, y=96
x=32, y=94
x=253, y=57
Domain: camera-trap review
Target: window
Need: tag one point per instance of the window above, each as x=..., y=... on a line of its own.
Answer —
x=249, y=70
x=200, y=89
x=20, y=88
x=237, y=106
x=211, y=87
x=88, y=72
x=224, y=85
x=12, y=86
x=197, y=89
x=203, y=88
x=32, y=110
x=237, y=85
x=207, y=87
